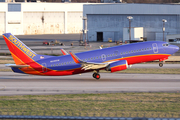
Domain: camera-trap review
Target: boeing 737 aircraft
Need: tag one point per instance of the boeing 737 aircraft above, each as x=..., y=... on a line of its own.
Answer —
x=111, y=59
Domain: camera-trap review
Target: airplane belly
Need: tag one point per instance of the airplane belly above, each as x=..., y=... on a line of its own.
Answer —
x=145, y=58
x=65, y=72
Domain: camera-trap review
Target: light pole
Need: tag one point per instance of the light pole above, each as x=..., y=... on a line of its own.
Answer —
x=129, y=18
x=164, y=20
x=85, y=30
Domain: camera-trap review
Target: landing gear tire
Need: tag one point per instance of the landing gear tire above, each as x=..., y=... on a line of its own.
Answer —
x=160, y=64
x=97, y=76
x=94, y=74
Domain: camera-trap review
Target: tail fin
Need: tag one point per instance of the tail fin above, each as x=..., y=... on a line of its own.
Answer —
x=19, y=51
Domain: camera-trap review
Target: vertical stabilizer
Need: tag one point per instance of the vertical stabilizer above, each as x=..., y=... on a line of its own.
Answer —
x=19, y=51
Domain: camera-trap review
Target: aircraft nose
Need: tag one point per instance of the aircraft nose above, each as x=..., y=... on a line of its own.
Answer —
x=176, y=48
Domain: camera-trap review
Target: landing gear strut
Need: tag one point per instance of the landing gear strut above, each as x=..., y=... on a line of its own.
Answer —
x=96, y=75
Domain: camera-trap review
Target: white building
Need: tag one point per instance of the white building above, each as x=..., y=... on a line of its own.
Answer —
x=41, y=18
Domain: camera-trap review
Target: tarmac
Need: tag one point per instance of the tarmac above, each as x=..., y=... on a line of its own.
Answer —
x=21, y=84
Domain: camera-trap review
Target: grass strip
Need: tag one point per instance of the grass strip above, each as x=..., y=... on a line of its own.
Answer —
x=114, y=104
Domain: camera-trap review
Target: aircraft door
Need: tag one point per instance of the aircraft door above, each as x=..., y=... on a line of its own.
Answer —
x=103, y=57
x=44, y=68
x=155, y=47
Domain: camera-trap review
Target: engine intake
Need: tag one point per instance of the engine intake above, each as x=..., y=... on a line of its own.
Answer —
x=117, y=66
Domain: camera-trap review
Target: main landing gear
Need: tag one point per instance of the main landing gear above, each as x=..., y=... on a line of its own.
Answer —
x=96, y=75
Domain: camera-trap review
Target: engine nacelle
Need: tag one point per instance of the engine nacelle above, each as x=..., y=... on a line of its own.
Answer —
x=117, y=66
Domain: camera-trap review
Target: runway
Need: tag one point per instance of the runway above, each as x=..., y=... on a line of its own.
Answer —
x=20, y=84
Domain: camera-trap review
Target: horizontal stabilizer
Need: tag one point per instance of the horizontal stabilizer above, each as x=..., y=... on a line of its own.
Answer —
x=16, y=66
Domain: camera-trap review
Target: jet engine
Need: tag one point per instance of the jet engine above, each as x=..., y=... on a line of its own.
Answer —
x=117, y=66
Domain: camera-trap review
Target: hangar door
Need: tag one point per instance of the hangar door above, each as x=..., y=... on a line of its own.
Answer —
x=74, y=22
x=43, y=22
x=99, y=36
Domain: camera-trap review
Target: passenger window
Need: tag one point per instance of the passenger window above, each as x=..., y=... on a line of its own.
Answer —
x=131, y=51
x=134, y=51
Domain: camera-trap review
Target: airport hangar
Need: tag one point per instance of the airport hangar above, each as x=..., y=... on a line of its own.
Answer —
x=109, y=21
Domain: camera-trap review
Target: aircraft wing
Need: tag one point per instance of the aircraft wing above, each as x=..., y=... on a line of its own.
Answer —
x=93, y=66
x=88, y=65
x=16, y=66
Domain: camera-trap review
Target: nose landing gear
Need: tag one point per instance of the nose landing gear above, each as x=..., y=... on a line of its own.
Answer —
x=160, y=64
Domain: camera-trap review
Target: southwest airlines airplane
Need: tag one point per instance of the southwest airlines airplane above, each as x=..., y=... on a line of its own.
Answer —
x=111, y=59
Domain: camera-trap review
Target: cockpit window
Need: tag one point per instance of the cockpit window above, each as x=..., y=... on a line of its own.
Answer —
x=165, y=45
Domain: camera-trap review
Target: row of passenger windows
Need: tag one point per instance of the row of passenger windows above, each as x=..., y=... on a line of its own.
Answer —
x=99, y=57
x=134, y=51
x=60, y=64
